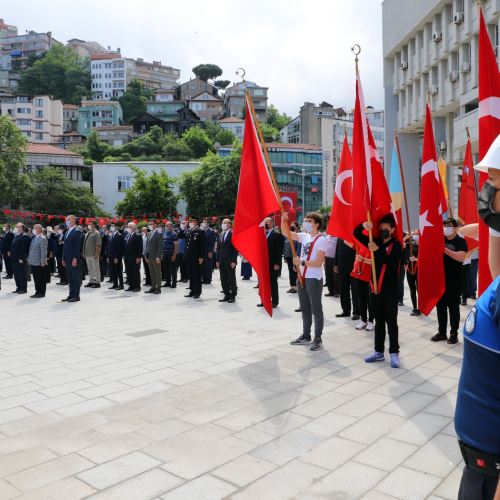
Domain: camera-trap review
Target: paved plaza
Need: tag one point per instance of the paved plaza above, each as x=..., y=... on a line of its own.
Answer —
x=134, y=396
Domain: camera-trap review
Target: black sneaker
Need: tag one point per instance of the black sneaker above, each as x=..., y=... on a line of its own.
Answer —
x=302, y=340
x=438, y=337
x=317, y=345
x=453, y=338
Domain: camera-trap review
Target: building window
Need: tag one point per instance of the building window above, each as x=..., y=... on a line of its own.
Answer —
x=39, y=113
x=39, y=125
x=258, y=92
x=39, y=137
x=39, y=103
x=124, y=183
x=23, y=122
x=238, y=131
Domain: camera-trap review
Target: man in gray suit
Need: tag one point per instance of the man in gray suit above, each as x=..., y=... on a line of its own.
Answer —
x=154, y=246
x=37, y=258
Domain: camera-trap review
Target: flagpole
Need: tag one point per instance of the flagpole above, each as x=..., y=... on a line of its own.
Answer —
x=356, y=49
x=273, y=178
x=405, y=198
x=476, y=189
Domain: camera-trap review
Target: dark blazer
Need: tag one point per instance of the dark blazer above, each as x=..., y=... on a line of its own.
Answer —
x=7, y=242
x=275, y=244
x=210, y=240
x=226, y=252
x=19, y=248
x=116, y=246
x=133, y=246
x=195, y=244
x=104, y=245
x=72, y=248
x=154, y=245
x=344, y=257
x=59, y=245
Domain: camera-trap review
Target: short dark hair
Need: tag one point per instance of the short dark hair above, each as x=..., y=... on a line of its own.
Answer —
x=316, y=217
x=388, y=219
x=450, y=220
x=93, y=223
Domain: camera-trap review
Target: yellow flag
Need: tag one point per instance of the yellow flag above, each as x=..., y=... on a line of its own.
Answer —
x=442, y=173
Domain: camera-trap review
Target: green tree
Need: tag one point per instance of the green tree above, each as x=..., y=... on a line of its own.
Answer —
x=148, y=144
x=176, y=149
x=212, y=188
x=12, y=160
x=198, y=141
x=222, y=84
x=207, y=71
x=96, y=149
x=325, y=212
x=218, y=134
x=270, y=133
x=51, y=192
x=149, y=194
x=133, y=101
x=277, y=119
x=60, y=73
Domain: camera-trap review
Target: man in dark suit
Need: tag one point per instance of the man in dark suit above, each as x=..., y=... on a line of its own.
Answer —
x=63, y=275
x=72, y=258
x=133, y=255
x=344, y=259
x=116, y=250
x=18, y=254
x=227, y=257
x=6, y=244
x=275, y=244
x=208, y=261
x=194, y=256
x=154, y=246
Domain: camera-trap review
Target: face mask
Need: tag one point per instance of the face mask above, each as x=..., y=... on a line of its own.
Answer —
x=204, y=225
x=416, y=238
x=268, y=227
x=16, y=231
x=89, y=228
x=308, y=227
x=191, y=225
x=448, y=231
x=59, y=231
x=485, y=209
x=129, y=230
x=68, y=223
x=113, y=229
x=224, y=227
x=150, y=227
x=5, y=229
x=160, y=230
x=183, y=226
x=385, y=233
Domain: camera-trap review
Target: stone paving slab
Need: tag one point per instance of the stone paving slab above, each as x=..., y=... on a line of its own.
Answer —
x=134, y=396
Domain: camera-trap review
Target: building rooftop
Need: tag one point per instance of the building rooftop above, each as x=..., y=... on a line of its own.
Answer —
x=87, y=104
x=71, y=106
x=48, y=149
x=105, y=55
x=231, y=119
x=279, y=145
x=115, y=127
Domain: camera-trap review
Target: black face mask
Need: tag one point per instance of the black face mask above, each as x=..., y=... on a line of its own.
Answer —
x=385, y=233
x=485, y=207
x=268, y=227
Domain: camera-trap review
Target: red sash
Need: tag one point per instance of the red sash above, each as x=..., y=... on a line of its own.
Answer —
x=380, y=280
x=310, y=252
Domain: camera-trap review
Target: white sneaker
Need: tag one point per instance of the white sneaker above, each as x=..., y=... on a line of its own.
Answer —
x=360, y=326
x=370, y=327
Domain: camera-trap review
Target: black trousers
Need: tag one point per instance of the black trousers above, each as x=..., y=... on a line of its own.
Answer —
x=346, y=292
x=19, y=272
x=466, y=293
x=476, y=486
x=275, y=296
x=292, y=274
x=146, y=271
x=194, y=272
x=385, y=310
x=102, y=267
x=8, y=265
x=449, y=302
x=169, y=270
x=63, y=275
x=133, y=273
x=40, y=279
x=330, y=275
x=362, y=290
x=181, y=265
x=74, y=279
x=401, y=283
x=116, y=271
x=208, y=269
x=412, y=284
x=228, y=279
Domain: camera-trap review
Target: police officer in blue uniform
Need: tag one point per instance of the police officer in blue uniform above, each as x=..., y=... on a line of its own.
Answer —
x=477, y=416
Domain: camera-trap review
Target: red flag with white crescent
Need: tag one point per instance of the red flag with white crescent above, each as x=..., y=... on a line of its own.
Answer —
x=467, y=204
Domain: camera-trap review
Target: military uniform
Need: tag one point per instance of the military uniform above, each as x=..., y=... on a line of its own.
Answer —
x=477, y=416
x=195, y=250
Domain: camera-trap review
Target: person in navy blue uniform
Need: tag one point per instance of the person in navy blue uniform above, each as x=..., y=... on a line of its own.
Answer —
x=169, y=256
x=133, y=256
x=72, y=258
x=477, y=414
x=195, y=253
x=18, y=254
x=6, y=244
x=116, y=250
x=208, y=261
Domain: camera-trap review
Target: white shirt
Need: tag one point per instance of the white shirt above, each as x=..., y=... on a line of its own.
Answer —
x=320, y=245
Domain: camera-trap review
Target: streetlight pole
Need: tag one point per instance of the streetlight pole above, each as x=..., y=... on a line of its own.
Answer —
x=303, y=193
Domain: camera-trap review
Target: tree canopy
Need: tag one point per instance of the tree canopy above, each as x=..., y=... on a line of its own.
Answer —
x=12, y=160
x=270, y=133
x=149, y=194
x=277, y=119
x=133, y=101
x=60, y=73
x=207, y=71
x=212, y=187
x=222, y=84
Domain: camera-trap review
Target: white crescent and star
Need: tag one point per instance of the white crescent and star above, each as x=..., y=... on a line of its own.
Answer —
x=423, y=222
x=343, y=176
x=288, y=199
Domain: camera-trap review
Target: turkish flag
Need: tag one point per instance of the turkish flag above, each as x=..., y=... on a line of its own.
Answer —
x=467, y=204
x=340, y=223
x=489, y=128
x=431, y=283
x=256, y=200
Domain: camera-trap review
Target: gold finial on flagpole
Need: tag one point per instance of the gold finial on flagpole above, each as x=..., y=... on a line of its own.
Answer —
x=241, y=73
x=356, y=50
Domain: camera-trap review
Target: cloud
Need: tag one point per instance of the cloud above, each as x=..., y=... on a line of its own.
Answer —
x=299, y=49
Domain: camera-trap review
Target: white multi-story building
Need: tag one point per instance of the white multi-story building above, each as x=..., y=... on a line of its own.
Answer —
x=325, y=126
x=111, y=74
x=431, y=51
x=235, y=125
x=39, y=118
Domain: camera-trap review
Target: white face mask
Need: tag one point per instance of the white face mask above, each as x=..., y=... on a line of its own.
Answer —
x=308, y=227
x=6, y=229
x=415, y=238
x=191, y=225
x=113, y=229
x=160, y=230
x=183, y=225
x=16, y=231
x=129, y=230
x=89, y=227
x=150, y=227
x=225, y=227
x=448, y=231
x=204, y=225
x=59, y=231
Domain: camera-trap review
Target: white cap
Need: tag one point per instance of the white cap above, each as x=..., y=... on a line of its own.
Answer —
x=491, y=158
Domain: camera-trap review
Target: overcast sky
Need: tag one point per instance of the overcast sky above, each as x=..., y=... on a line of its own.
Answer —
x=300, y=49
